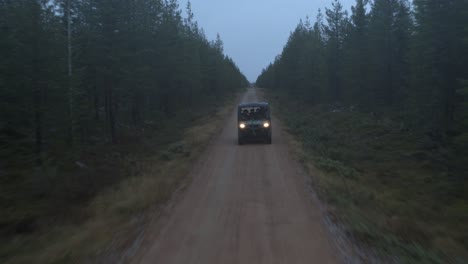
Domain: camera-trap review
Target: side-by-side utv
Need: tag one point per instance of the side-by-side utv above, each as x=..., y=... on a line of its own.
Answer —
x=253, y=122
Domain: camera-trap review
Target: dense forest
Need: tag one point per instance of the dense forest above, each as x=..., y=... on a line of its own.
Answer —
x=85, y=77
x=69, y=65
x=380, y=94
x=394, y=58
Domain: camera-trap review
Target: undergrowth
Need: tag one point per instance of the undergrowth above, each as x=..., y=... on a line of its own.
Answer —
x=101, y=196
x=393, y=187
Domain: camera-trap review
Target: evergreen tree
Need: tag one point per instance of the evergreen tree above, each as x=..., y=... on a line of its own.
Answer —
x=384, y=59
x=356, y=57
x=130, y=61
x=389, y=36
x=335, y=34
x=440, y=57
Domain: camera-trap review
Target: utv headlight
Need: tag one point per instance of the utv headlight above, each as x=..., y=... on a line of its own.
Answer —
x=266, y=125
x=241, y=125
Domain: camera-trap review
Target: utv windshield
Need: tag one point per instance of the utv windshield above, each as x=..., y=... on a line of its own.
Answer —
x=253, y=113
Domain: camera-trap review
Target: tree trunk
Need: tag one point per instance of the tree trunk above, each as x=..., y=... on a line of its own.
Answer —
x=135, y=109
x=36, y=85
x=111, y=110
x=71, y=107
x=37, y=99
x=96, y=102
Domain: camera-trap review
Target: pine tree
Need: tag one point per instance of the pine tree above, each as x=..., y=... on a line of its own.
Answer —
x=438, y=62
x=131, y=61
x=335, y=34
x=356, y=57
x=389, y=40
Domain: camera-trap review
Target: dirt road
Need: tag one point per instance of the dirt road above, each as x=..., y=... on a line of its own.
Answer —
x=246, y=204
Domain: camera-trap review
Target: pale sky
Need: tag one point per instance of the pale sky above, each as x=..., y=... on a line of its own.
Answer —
x=254, y=31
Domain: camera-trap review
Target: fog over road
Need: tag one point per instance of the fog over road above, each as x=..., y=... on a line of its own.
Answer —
x=245, y=204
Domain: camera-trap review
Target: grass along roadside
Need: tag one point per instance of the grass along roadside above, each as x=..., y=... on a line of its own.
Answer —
x=392, y=188
x=114, y=216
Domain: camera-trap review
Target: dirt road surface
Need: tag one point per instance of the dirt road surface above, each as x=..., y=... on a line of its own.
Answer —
x=245, y=204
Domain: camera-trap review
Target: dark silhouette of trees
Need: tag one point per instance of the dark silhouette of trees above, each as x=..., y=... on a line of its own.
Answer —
x=385, y=57
x=133, y=62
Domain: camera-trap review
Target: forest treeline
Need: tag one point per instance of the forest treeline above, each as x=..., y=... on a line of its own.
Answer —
x=379, y=100
x=394, y=56
x=72, y=71
x=88, y=89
